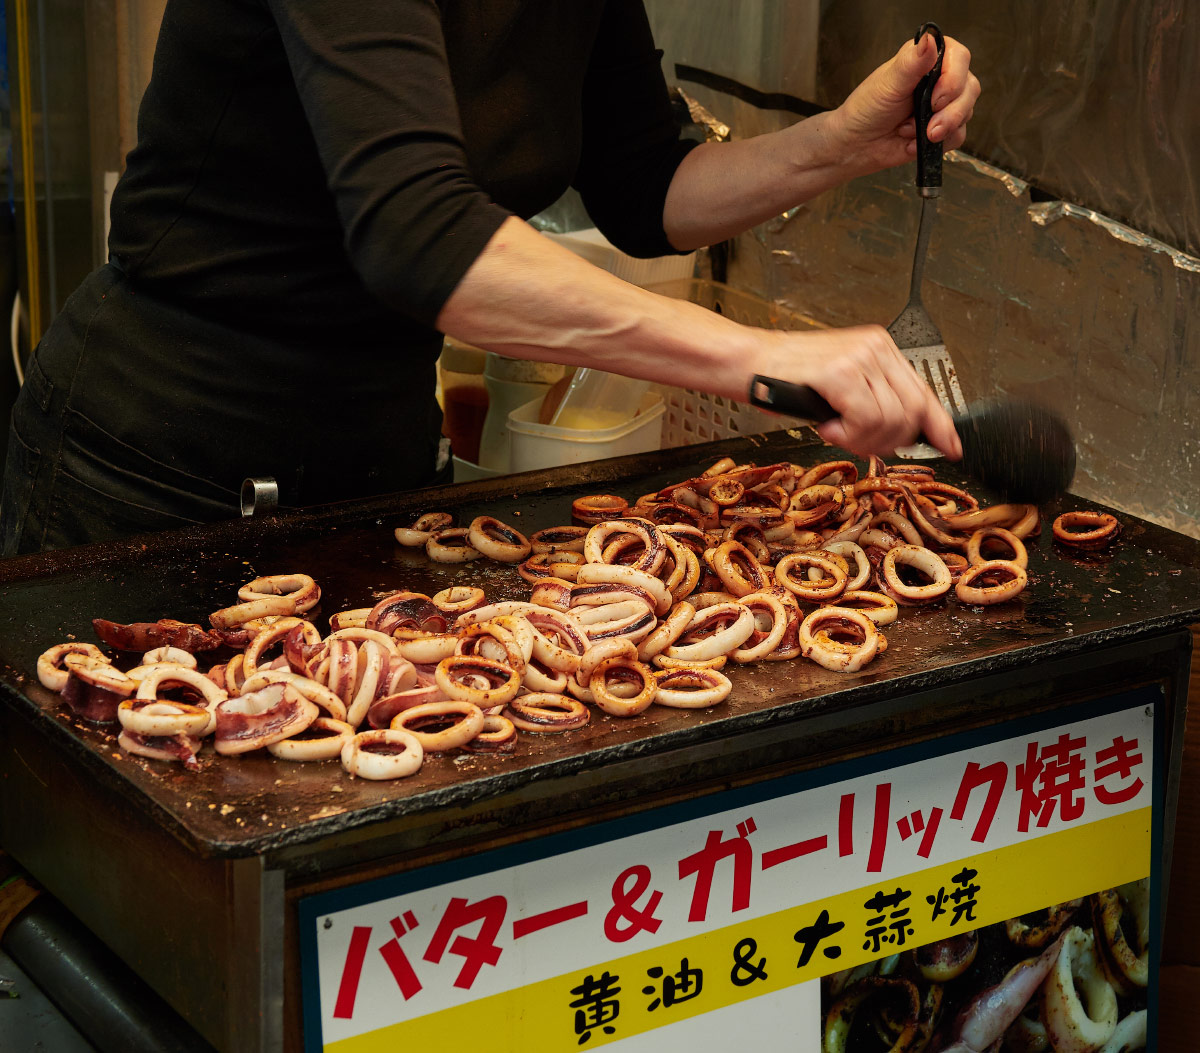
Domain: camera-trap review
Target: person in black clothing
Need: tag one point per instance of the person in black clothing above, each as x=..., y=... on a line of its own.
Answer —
x=321, y=189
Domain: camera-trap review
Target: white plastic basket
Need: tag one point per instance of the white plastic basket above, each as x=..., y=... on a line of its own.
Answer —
x=696, y=416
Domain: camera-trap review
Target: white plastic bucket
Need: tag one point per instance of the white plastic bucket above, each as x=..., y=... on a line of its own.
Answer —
x=537, y=445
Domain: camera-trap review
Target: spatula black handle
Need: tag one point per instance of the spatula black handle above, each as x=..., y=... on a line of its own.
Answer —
x=929, y=155
x=796, y=400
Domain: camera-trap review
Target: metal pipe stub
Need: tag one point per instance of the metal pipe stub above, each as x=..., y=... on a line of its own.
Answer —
x=260, y=495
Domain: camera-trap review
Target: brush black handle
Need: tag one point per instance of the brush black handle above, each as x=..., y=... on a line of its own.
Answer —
x=929, y=155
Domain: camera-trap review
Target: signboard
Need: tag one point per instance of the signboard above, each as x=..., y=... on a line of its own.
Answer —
x=788, y=911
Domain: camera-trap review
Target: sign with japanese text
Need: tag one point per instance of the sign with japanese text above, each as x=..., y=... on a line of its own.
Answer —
x=900, y=887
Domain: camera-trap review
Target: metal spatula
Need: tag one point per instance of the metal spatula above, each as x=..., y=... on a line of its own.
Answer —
x=913, y=330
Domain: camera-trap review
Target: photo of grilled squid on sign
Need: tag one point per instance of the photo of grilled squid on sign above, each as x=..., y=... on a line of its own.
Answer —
x=630, y=606
x=1070, y=978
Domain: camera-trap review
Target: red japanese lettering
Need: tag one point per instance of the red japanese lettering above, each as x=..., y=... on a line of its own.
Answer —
x=547, y=919
x=1119, y=759
x=995, y=776
x=476, y=951
x=1050, y=777
x=879, y=829
x=703, y=864
x=360, y=938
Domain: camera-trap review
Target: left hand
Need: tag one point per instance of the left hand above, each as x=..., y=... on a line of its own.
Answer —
x=874, y=127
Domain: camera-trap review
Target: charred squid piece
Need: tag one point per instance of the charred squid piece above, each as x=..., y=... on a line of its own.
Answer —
x=95, y=688
x=1036, y=929
x=947, y=959
x=406, y=610
x=982, y=1023
x=1121, y=922
x=166, y=632
x=1079, y=1005
x=255, y=720
x=899, y=997
x=181, y=748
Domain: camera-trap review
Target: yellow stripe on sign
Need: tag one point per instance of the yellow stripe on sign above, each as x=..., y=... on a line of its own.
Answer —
x=1012, y=881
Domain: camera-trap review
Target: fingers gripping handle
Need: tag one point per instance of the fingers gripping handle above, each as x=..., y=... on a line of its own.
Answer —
x=929, y=155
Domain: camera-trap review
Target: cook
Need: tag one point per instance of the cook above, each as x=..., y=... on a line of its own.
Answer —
x=320, y=190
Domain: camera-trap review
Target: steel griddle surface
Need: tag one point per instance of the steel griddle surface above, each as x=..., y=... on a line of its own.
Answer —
x=1149, y=581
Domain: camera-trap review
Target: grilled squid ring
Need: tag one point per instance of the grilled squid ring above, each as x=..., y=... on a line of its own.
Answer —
x=156, y=719
x=459, y=675
x=851, y=550
x=770, y=623
x=832, y=585
x=740, y=573
x=881, y=609
x=1086, y=530
x=653, y=551
x=498, y=541
x=923, y=560
x=667, y=631
x=714, y=630
x=174, y=655
x=665, y=662
x=559, y=641
x=596, y=508
x=635, y=682
x=815, y=504
x=451, y=545
x=983, y=535
x=424, y=648
x=458, y=599
x=543, y=565
x=51, y=667
x=274, y=634
x=355, y=618
x=499, y=735
x=457, y=723
x=691, y=688
x=544, y=713
x=167, y=675
x=491, y=640
x=418, y=534
x=382, y=754
x=1007, y=581
x=316, y=693
x=558, y=539
x=1126, y=967
x=300, y=589
x=251, y=721
x=631, y=618
x=947, y=959
x=1129, y=1036
x=619, y=575
x=1078, y=1004
x=323, y=739
x=817, y=643
x=601, y=651
x=840, y=1018
x=263, y=607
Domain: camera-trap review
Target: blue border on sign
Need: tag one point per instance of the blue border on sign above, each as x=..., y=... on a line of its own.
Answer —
x=311, y=908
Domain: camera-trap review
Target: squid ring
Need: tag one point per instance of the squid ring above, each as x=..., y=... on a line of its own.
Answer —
x=541, y=712
x=481, y=637
x=263, y=607
x=452, y=675
x=654, y=549
x=1114, y=949
x=981, y=536
x=558, y=539
x=665, y=662
x=382, y=754
x=451, y=545
x=828, y=588
x=418, y=534
x=1074, y=1027
x=624, y=672
x=881, y=609
x=154, y=718
x=303, y=592
x=323, y=739
x=458, y=723
x=458, y=599
x=840, y=1017
x=1098, y=529
x=616, y=574
x=739, y=571
x=50, y=665
x=424, y=648
x=498, y=540
x=499, y=735
x=249, y=722
x=164, y=673
x=1013, y=580
x=272, y=635
x=921, y=559
x=719, y=629
x=818, y=645
x=316, y=693
x=174, y=655
x=596, y=508
x=762, y=642
x=691, y=688
x=559, y=641
x=851, y=550
x=667, y=632
x=601, y=651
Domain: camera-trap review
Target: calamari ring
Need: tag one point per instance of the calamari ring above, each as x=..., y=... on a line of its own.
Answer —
x=1013, y=580
x=51, y=668
x=739, y=571
x=273, y=634
x=464, y=720
x=316, y=693
x=174, y=655
x=763, y=640
x=654, y=549
x=301, y=589
x=851, y=550
x=832, y=585
x=726, y=492
x=550, y=565
x=499, y=735
x=1075, y=972
x=558, y=539
x=559, y=640
x=418, y=534
x=251, y=721
x=240, y=613
x=666, y=662
x=553, y=593
x=351, y=619
x=817, y=645
x=491, y=640
x=382, y=754
x=498, y=541
x=601, y=651
x=165, y=674
x=424, y=648
x=691, y=688
x=667, y=631
x=923, y=560
x=502, y=682
x=458, y=599
x=616, y=574
x=628, y=674
x=846, y=471
x=840, y=1018
x=881, y=609
x=323, y=739
x=596, y=508
x=1086, y=530
x=1131, y=967
x=157, y=719
x=815, y=504
x=544, y=713
x=719, y=629
x=984, y=534
x=451, y=545
x=896, y=524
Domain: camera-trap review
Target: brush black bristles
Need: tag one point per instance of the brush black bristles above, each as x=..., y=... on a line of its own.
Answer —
x=1021, y=450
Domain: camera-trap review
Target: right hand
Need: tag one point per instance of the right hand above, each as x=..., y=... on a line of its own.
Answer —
x=881, y=400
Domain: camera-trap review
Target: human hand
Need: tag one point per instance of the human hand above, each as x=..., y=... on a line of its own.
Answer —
x=881, y=401
x=874, y=128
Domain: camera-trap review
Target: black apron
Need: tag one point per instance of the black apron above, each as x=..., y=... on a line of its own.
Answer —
x=138, y=416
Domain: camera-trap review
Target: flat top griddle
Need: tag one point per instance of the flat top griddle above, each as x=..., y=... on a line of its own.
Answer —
x=1148, y=582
